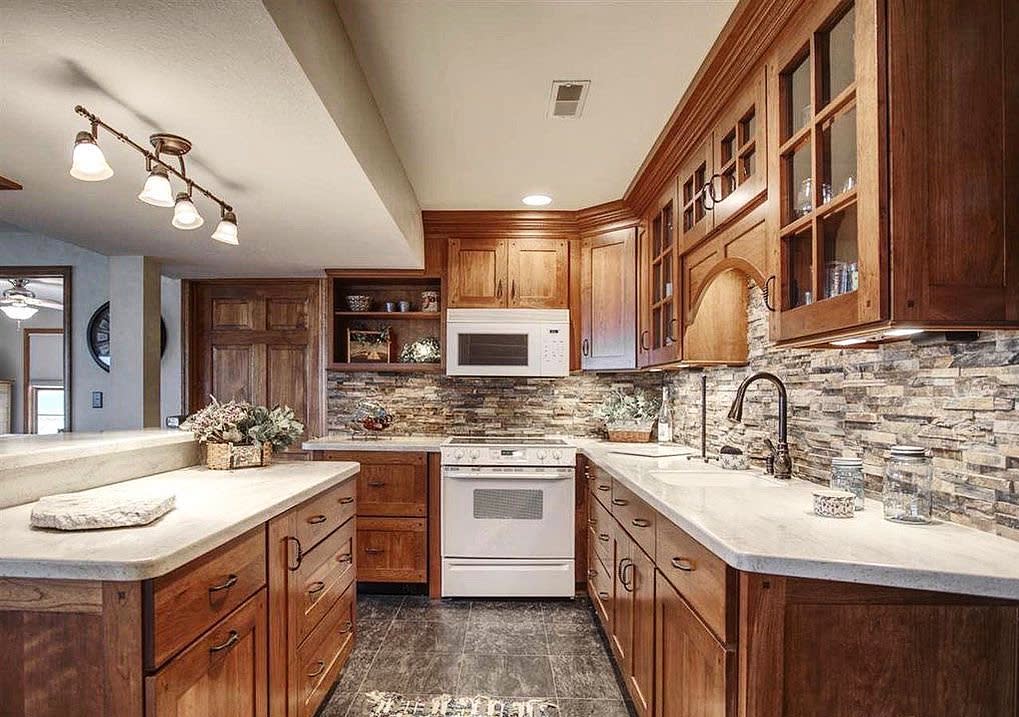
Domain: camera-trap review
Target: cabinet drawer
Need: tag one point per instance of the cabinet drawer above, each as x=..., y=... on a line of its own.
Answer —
x=600, y=484
x=183, y=604
x=226, y=665
x=392, y=550
x=599, y=587
x=393, y=489
x=601, y=524
x=325, y=572
x=324, y=513
x=321, y=657
x=637, y=517
x=700, y=576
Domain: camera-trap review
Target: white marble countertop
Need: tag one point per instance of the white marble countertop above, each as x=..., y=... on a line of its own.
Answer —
x=22, y=451
x=763, y=525
x=213, y=507
x=346, y=442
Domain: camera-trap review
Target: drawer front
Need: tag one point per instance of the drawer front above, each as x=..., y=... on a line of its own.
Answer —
x=392, y=550
x=393, y=489
x=320, y=658
x=601, y=524
x=185, y=603
x=325, y=572
x=700, y=576
x=637, y=517
x=324, y=513
x=600, y=484
x=599, y=587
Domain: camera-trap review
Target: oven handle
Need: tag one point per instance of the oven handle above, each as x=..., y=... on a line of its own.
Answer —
x=509, y=476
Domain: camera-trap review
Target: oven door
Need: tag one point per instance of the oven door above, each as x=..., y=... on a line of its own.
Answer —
x=493, y=349
x=516, y=513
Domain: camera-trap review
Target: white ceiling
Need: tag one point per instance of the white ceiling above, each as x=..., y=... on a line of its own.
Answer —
x=463, y=86
x=218, y=72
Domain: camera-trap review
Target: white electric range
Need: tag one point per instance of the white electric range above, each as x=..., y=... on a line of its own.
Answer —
x=507, y=517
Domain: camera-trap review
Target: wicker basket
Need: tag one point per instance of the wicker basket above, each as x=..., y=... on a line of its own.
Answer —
x=227, y=456
x=629, y=434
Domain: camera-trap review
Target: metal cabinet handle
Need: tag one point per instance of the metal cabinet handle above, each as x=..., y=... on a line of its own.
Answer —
x=230, y=581
x=346, y=500
x=298, y=556
x=640, y=523
x=316, y=587
x=344, y=558
x=643, y=341
x=374, y=551
x=347, y=626
x=604, y=487
x=376, y=483
x=513, y=289
x=627, y=584
x=319, y=669
x=585, y=347
x=684, y=564
x=592, y=522
x=670, y=334
x=592, y=573
x=603, y=595
x=619, y=501
x=768, y=288
x=230, y=642
x=620, y=566
x=604, y=537
x=498, y=290
x=316, y=519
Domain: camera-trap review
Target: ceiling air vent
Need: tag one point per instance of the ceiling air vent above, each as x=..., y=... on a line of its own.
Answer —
x=568, y=97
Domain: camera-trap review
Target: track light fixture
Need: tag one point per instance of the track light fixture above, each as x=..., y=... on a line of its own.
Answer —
x=89, y=164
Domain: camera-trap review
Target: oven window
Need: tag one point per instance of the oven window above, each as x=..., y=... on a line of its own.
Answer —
x=508, y=504
x=493, y=349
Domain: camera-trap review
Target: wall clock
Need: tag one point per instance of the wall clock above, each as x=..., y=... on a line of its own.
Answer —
x=98, y=336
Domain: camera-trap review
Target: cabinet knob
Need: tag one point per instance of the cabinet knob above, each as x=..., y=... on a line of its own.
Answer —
x=684, y=564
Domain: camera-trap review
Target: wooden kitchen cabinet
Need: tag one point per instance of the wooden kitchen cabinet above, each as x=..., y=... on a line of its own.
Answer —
x=659, y=338
x=223, y=673
x=516, y=273
x=695, y=177
x=392, y=550
x=477, y=273
x=538, y=272
x=608, y=301
x=639, y=591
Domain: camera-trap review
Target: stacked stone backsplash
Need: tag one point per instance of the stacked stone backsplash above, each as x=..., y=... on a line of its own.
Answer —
x=435, y=404
x=957, y=399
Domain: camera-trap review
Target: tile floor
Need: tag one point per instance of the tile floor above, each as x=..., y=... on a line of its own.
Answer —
x=510, y=649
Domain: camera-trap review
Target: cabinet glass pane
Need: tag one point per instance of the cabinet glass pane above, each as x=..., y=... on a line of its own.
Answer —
x=747, y=165
x=656, y=282
x=838, y=68
x=700, y=178
x=728, y=182
x=656, y=328
x=747, y=127
x=667, y=275
x=840, y=251
x=799, y=195
x=728, y=146
x=838, y=143
x=667, y=328
x=796, y=97
x=656, y=237
x=799, y=263
x=667, y=227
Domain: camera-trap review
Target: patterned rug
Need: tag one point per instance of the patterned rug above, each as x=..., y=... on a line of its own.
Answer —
x=391, y=704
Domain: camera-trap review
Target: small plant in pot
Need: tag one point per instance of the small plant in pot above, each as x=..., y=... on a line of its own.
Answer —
x=237, y=434
x=629, y=417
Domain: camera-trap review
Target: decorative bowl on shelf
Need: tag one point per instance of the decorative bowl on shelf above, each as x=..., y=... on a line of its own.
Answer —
x=359, y=302
x=424, y=350
x=372, y=417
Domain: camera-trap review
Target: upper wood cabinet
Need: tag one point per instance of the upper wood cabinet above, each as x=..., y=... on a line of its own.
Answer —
x=739, y=141
x=608, y=300
x=517, y=273
x=695, y=178
x=477, y=273
x=659, y=337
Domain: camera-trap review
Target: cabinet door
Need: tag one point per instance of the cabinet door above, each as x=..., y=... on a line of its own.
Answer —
x=661, y=332
x=738, y=154
x=696, y=218
x=392, y=550
x=224, y=673
x=393, y=486
x=539, y=274
x=621, y=639
x=477, y=273
x=608, y=301
x=640, y=586
x=695, y=673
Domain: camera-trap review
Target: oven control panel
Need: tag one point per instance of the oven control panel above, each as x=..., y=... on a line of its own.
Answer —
x=457, y=455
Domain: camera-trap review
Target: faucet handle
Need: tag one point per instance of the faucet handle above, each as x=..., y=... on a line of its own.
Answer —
x=768, y=458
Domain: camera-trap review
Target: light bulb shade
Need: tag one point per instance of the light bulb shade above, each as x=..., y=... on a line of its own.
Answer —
x=19, y=312
x=157, y=190
x=226, y=230
x=185, y=214
x=87, y=161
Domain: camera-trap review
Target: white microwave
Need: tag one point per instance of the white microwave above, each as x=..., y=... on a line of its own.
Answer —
x=507, y=342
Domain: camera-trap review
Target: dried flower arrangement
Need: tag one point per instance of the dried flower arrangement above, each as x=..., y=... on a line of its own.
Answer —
x=238, y=434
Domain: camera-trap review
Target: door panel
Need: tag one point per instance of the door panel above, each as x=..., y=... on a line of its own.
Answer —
x=477, y=273
x=621, y=638
x=609, y=301
x=235, y=371
x=286, y=314
x=393, y=489
x=539, y=273
x=392, y=550
x=640, y=679
x=233, y=313
x=286, y=378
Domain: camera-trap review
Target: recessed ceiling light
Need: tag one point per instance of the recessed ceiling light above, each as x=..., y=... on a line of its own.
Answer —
x=852, y=341
x=903, y=332
x=537, y=200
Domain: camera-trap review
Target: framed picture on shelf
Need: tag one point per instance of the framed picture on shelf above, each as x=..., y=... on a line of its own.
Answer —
x=368, y=346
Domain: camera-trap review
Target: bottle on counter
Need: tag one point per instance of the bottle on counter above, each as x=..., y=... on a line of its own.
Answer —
x=665, y=416
x=906, y=494
x=847, y=474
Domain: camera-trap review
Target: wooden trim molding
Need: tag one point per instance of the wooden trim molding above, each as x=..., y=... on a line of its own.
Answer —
x=606, y=217
x=6, y=183
x=505, y=224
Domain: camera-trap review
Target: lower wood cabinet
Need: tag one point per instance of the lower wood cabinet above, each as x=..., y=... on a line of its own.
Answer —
x=392, y=550
x=223, y=673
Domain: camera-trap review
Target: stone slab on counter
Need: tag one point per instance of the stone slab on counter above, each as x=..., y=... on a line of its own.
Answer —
x=428, y=444
x=213, y=507
x=763, y=525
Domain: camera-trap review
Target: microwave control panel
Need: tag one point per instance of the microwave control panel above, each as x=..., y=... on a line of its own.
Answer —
x=555, y=351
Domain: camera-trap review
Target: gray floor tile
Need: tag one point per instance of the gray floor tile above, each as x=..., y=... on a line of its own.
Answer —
x=585, y=676
x=506, y=611
x=370, y=633
x=593, y=708
x=505, y=675
x=576, y=611
x=337, y=705
x=425, y=636
x=355, y=670
x=378, y=607
x=422, y=608
x=413, y=673
x=574, y=638
x=505, y=638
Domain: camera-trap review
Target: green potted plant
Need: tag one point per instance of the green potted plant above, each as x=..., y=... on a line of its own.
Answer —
x=629, y=417
x=239, y=435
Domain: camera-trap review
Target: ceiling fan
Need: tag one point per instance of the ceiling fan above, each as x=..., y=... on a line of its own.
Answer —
x=20, y=303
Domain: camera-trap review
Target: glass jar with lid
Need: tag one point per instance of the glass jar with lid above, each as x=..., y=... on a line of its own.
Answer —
x=847, y=474
x=906, y=494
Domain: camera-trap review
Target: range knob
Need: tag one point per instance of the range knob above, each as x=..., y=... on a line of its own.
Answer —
x=474, y=455
x=541, y=455
x=458, y=455
x=556, y=455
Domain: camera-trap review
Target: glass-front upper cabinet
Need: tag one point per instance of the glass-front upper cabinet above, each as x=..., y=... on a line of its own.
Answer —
x=740, y=163
x=659, y=338
x=824, y=186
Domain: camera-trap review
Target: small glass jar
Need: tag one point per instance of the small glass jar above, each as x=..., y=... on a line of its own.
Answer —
x=847, y=474
x=906, y=494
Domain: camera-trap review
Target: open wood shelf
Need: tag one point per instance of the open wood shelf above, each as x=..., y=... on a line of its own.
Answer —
x=391, y=315
x=388, y=367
